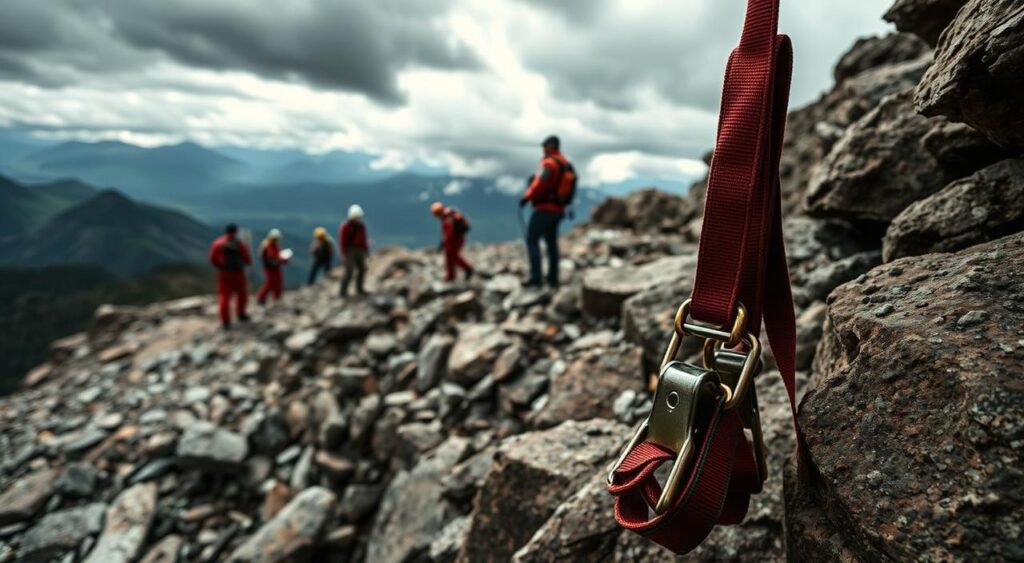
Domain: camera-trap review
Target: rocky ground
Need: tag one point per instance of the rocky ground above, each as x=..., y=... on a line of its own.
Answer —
x=475, y=421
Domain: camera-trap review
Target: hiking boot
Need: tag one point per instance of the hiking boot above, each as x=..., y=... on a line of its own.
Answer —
x=531, y=283
x=469, y=273
x=225, y=326
x=243, y=318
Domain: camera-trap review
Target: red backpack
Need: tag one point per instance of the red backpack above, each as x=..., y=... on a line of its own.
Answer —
x=565, y=183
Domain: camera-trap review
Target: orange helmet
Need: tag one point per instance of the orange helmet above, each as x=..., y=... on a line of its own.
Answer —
x=437, y=208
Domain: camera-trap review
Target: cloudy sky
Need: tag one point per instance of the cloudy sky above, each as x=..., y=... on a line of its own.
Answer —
x=632, y=86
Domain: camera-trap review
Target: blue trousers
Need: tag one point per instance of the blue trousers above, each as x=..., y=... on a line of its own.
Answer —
x=543, y=225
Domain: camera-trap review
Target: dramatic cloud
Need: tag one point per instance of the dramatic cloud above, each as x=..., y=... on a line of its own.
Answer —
x=632, y=86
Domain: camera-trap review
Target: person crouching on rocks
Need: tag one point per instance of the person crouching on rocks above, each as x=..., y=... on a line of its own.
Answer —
x=231, y=256
x=355, y=248
x=322, y=252
x=273, y=260
x=454, y=227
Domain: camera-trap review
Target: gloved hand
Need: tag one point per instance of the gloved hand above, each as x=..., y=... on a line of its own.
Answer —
x=523, y=202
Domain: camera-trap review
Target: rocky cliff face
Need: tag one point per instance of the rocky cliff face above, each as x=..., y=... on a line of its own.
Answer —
x=475, y=422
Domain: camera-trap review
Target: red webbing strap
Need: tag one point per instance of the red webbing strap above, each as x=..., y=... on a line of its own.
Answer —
x=741, y=258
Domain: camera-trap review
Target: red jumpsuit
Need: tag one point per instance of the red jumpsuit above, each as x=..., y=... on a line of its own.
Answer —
x=230, y=256
x=273, y=276
x=452, y=243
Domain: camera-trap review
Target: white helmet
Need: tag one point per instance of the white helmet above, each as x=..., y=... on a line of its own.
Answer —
x=274, y=234
x=355, y=212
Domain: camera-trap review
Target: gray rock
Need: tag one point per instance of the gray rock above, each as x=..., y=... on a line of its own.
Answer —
x=431, y=362
x=364, y=416
x=532, y=474
x=293, y=533
x=165, y=551
x=413, y=511
x=979, y=70
x=871, y=52
x=924, y=18
x=446, y=547
x=878, y=167
x=78, y=480
x=985, y=206
x=357, y=319
x=944, y=444
x=415, y=438
x=127, y=525
x=606, y=289
x=588, y=387
x=477, y=347
x=27, y=495
x=302, y=473
x=61, y=532
x=207, y=447
x=153, y=469
x=332, y=426
x=359, y=500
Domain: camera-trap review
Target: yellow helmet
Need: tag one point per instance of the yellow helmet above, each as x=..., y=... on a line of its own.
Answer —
x=320, y=232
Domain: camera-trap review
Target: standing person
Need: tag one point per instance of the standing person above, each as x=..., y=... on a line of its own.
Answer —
x=322, y=251
x=231, y=256
x=273, y=276
x=454, y=227
x=550, y=192
x=355, y=248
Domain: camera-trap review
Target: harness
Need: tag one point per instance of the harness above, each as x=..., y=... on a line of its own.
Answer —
x=705, y=420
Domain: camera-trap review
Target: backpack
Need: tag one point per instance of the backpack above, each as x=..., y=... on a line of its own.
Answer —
x=565, y=184
x=322, y=251
x=460, y=225
x=233, y=259
x=354, y=230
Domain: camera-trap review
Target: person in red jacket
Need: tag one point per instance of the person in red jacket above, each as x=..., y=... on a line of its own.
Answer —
x=355, y=248
x=231, y=256
x=454, y=227
x=547, y=213
x=273, y=275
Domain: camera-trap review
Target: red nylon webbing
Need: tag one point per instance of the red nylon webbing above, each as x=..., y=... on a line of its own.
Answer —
x=741, y=258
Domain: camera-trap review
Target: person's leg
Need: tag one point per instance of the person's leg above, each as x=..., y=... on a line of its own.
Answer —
x=349, y=270
x=460, y=261
x=277, y=288
x=242, y=288
x=449, y=261
x=224, y=298
x=261, y=295
x=551, y=241
x=313, y=272
x=361, y=272
x=533, y=234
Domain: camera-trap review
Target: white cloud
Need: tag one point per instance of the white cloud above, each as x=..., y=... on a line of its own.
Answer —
x=630, y=86
x=455, y=187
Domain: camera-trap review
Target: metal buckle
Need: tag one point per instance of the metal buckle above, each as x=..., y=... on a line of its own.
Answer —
x=731, y=338
x=732, y=367
x=685, y=393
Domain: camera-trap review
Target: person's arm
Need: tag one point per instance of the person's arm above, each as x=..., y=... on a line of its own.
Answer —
x=246, y=257
x=540, y=180
x=215, y=255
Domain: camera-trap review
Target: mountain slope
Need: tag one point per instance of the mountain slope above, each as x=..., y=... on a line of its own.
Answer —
x=117, y=233
x=159, y=173
x=24, y=208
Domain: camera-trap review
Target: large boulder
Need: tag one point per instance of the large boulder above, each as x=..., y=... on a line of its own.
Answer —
x=914, y=417
x=978, y=72
x=588, y=387
x=647, y=211
x=532, y=474
x=985, y=206
x=293, y=533
x=606, y=289
x=878, y=167
x=871, y=52
x=127, y=525
x=413, y=511
x=924, y=18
